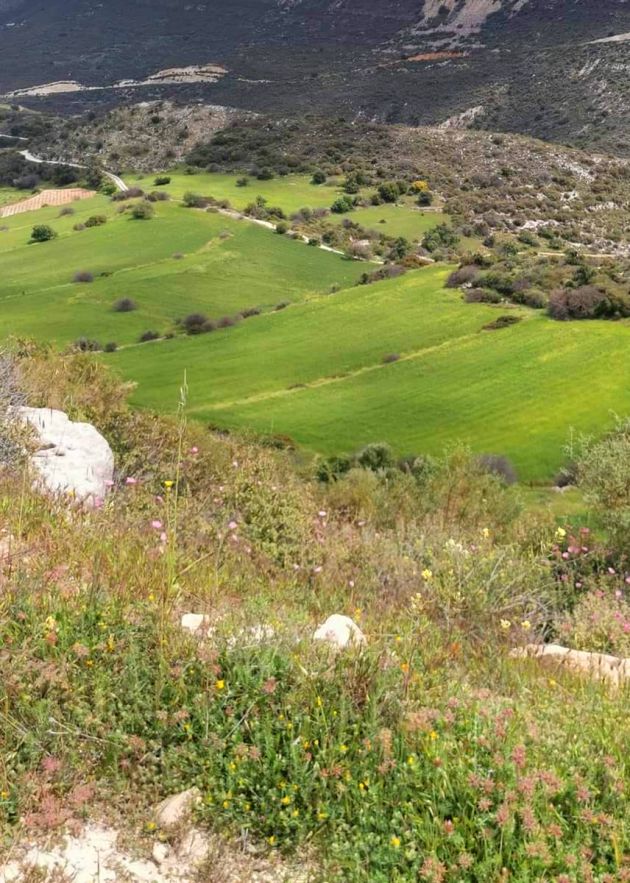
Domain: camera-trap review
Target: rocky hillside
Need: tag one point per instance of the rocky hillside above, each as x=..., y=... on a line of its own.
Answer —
x=419, y=63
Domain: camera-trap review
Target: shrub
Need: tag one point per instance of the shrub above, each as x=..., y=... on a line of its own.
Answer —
x=482, y=296
x=142, y=211
x=250, y=311
x=501, y=467
x=462, y=276
x=389, y=271
x=265, y=174
x=243, y=181
x=43, y=233
x=124, y=305
x=227, y=321
x=194, y=323
x=66, y=211
x=441, y=236
x=96, y=221
x=319, y=177
x=158, y=196
x=178, y=256
x=85, y=345
x=281, y=306
x=131, y=193
x=391, y=357
x=282, y=228
x=83, y=276
x=376, y=457
x=342, y=205
x=603, y=470
x=147, y=336
x=502, y=322
x=110, y=347
x=578, y=303
x=194, y=200
x=162, y=180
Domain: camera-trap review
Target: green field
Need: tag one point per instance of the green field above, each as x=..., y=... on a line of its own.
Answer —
x=291, y=193
x=314, y=371
x=399, y=220
x=294, y=192
x=9, y=194
x=223, y=266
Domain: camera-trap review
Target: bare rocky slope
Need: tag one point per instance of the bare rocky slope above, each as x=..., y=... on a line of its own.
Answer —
x=521, y=65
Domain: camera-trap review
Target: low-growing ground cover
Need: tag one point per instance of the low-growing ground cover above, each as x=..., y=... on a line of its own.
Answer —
x=182, y=261
x=427, y=754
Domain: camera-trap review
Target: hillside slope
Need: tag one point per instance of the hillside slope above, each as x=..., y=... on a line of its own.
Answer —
x=418, y=63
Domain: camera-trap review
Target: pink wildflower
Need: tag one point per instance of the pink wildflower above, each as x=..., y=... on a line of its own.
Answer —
x=129, y=480
x=156, y=524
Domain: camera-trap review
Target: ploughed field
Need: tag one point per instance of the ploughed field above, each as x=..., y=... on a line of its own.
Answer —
x=321, y=369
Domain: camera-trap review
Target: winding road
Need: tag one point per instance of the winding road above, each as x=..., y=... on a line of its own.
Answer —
x=30, y=157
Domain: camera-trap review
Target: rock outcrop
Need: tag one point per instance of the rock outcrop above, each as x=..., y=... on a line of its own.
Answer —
x=340, y=631
x=600, y=666
x=72, y=458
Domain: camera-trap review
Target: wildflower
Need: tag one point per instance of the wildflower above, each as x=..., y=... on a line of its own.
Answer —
x=130, y=481
x=219, y=685
x=526, y=625
x=343, y=748
x=271, y=840
x=322, y=513
x=150, y=826
x=485, y=533
x=194, y=450
x=561, y=533
x=156, y=524
x=318, y=701
x=395, y=842
x=433, y=735
x=506, y=625
x=168, y=484
x=427, y=575
x=405, y=668
x=286, y=800
x=50, y=624
x=269, y=686
x=232, y=525
x=4, y=795
x=321, y=816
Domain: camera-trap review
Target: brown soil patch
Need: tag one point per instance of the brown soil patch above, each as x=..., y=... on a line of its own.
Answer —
x=46, y=197
x=437, y=56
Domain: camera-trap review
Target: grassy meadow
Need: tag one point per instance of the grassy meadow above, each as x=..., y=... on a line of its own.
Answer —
x=317, y=370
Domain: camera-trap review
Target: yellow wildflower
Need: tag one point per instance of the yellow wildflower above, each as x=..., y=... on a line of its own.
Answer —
x=168, y=484
x=427, y=575
x=561, y=533
x=526, y=625
x=395, y=842
x=506, y=625
x=286, y=800
x=219, y=685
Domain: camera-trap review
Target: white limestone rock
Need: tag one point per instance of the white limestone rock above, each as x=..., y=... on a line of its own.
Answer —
x=73, y=458
x=176, y=808
x=340, y=631
x=196, y=623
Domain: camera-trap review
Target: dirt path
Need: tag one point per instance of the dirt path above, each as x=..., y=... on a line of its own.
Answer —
x=30, y=157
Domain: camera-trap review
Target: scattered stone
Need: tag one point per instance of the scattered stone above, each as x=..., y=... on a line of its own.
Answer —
x=176, y=808
x=160, y=853
x=340, y=631
x=194, y=847
x=196, y=623
x=600, y=666
x=73, y=458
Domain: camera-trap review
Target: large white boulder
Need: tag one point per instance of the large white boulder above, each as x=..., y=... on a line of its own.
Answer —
x=600, y=666
x=340, y=631
x=73, y=458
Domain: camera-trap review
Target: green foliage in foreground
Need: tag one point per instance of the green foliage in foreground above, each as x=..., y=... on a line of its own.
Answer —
x=362, y=756
x=429, y=754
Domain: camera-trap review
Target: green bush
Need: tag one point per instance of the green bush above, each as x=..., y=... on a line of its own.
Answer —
x=43, y=233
